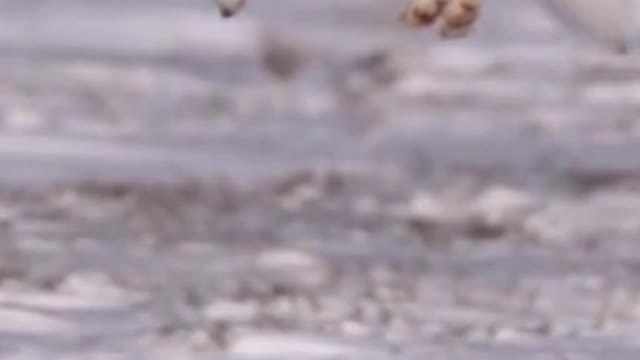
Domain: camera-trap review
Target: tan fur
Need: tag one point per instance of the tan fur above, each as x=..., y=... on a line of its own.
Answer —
x=454, y=17
x=423, y=12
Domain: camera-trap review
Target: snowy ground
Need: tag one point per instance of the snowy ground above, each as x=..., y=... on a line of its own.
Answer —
x=401, y=198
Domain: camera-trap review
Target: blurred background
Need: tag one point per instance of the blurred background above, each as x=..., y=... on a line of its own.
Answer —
x=312, y=180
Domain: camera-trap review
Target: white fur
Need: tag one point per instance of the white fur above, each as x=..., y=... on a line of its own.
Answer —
x=610, y=22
